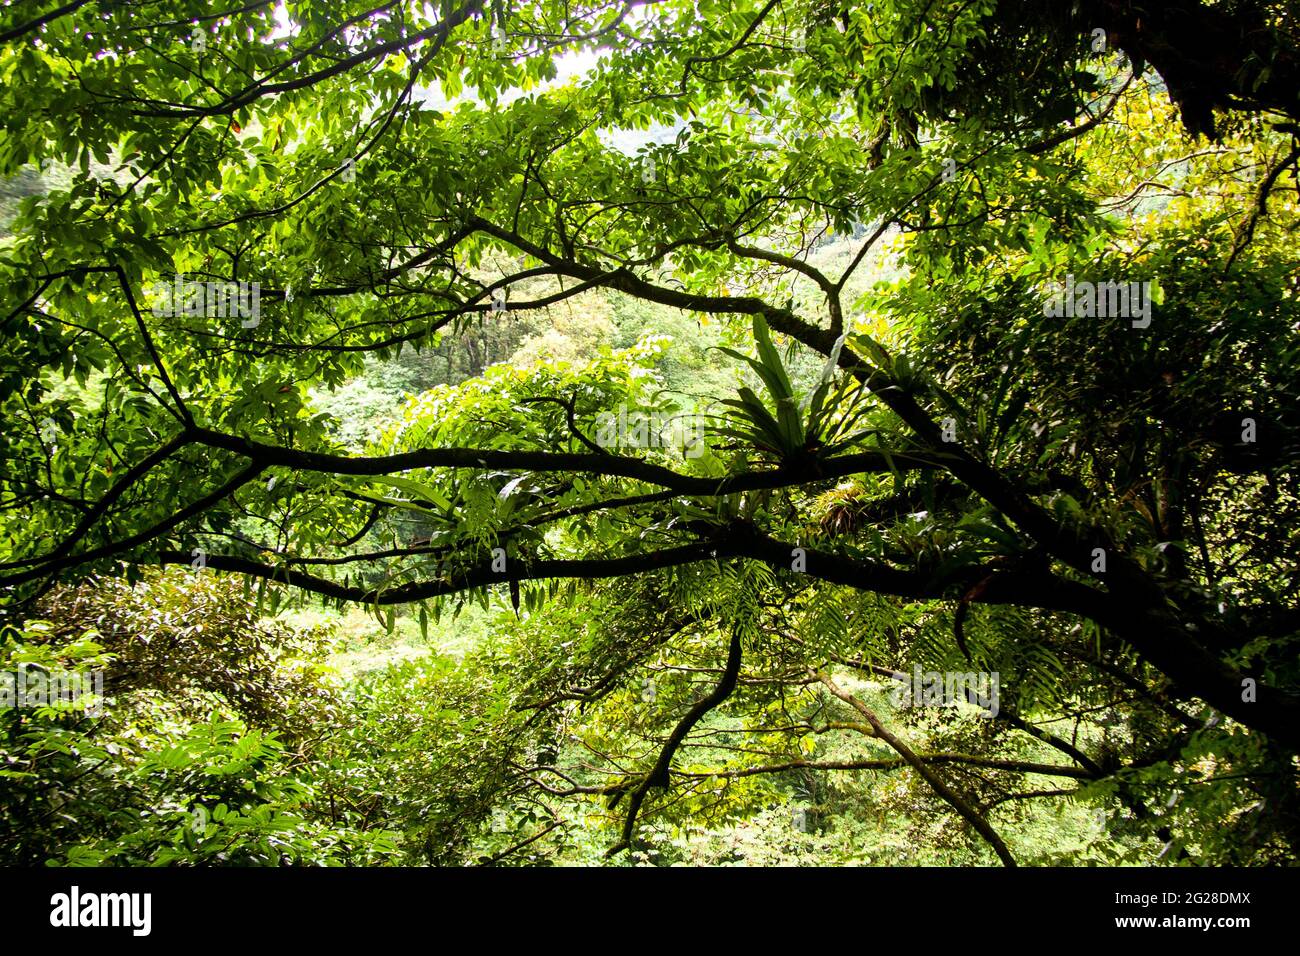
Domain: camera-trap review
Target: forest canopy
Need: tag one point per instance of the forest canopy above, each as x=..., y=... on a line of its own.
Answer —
x=712, y=431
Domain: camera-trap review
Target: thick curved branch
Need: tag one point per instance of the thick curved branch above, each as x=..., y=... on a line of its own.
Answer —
x=659, y=775
x=546, y=461
x=101, y=507
x=737, y=540
x=192, y=510
x=897, y=763
x=517, y=570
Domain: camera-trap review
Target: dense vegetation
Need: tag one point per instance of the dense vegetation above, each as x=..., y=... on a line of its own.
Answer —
x=557, y=433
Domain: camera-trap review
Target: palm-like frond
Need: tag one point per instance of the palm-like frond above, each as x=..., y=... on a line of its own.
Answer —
x=784, y=426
